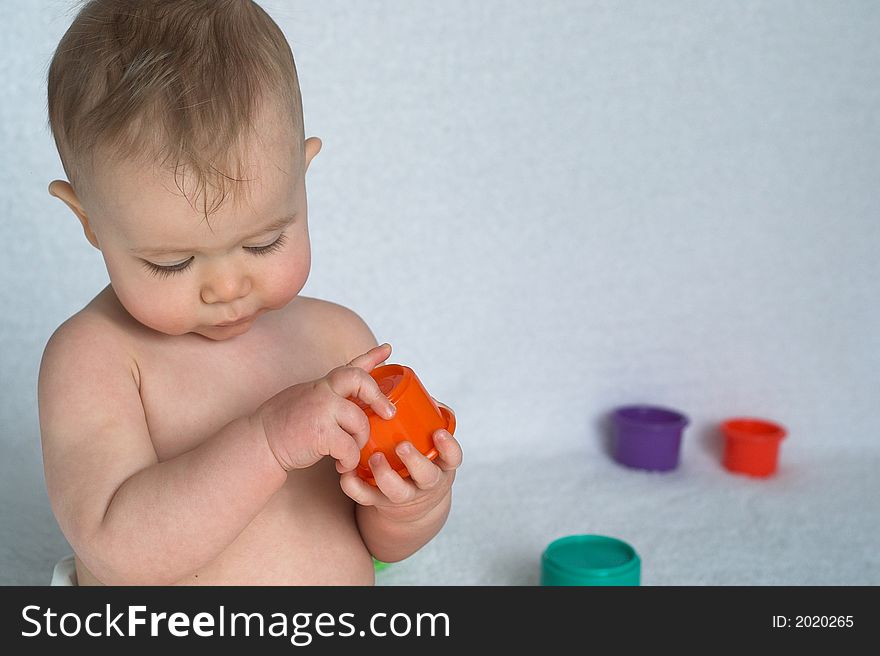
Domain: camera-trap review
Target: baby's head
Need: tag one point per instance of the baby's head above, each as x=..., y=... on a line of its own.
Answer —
x=179, y=126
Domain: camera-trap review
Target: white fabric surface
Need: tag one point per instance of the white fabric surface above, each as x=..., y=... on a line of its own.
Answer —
x=64, y=573
x=816, y=522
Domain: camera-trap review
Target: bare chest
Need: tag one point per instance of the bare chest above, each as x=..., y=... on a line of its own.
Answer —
x=192, y=389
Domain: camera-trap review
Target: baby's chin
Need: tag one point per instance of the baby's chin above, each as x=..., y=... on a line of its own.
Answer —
x=209, y=331
x=222, y=333
x=213, y=333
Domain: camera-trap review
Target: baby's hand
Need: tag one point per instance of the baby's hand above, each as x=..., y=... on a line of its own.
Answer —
x=407, y=499
x=306, y=422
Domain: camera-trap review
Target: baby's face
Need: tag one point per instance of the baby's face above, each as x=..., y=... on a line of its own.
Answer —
x=176, y=273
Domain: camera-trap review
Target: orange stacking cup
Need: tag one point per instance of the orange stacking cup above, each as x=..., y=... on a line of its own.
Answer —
x=751, y=445
x=418, y=416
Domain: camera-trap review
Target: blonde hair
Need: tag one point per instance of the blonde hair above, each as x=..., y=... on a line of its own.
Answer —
x=159, y=81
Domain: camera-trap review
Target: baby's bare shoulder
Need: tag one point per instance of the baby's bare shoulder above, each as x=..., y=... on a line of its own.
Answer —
x=88, y=375
x=97, y=335
x=338, y=327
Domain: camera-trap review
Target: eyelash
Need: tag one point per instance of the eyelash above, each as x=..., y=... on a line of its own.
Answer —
x=268, y=248
x=165, y=271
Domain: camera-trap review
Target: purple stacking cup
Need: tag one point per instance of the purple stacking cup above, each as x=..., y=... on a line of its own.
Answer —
x=648, y=437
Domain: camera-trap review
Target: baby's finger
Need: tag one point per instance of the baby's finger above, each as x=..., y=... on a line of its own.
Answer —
x=425, y=474
x=450, y=450
x=359, y=490
x=357, y=385
x=369, y=360
x=391, y=484
x=351, y=418
x=340, y=446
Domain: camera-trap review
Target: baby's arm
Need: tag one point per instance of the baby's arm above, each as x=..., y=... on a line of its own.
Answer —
x=130, y=518
x=391, y=539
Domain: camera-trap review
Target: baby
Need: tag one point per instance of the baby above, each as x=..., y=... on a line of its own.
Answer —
x=187, y=411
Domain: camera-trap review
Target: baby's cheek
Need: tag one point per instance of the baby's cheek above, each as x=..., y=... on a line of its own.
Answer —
x=286, y=282
x=172, y=316
x=161, y=310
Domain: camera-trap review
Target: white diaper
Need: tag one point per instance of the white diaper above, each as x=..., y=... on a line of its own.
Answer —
x=65, y=572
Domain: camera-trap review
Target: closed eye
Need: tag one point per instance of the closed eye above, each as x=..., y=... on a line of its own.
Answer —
x=165, y=271
x=269, y=248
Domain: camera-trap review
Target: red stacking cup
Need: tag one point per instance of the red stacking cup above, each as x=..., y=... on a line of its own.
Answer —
x=418, y=416
x=751, y=445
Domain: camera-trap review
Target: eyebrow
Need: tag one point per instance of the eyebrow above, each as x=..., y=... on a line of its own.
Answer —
x=283, y=222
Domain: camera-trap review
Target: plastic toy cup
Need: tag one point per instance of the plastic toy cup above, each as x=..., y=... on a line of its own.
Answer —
x=418, y=416
x=648, y=437
x=751, y=446
x=590, y=560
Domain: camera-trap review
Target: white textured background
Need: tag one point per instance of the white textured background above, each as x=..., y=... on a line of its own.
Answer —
x=551, y=209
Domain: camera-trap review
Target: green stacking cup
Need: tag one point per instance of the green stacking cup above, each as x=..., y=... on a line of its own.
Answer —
x=590, y=560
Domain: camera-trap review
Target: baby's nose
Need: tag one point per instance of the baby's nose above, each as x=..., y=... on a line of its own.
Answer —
x=226, y=286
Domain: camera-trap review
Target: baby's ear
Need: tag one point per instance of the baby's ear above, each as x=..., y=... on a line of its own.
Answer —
x=62, y=189
x=312, y=148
